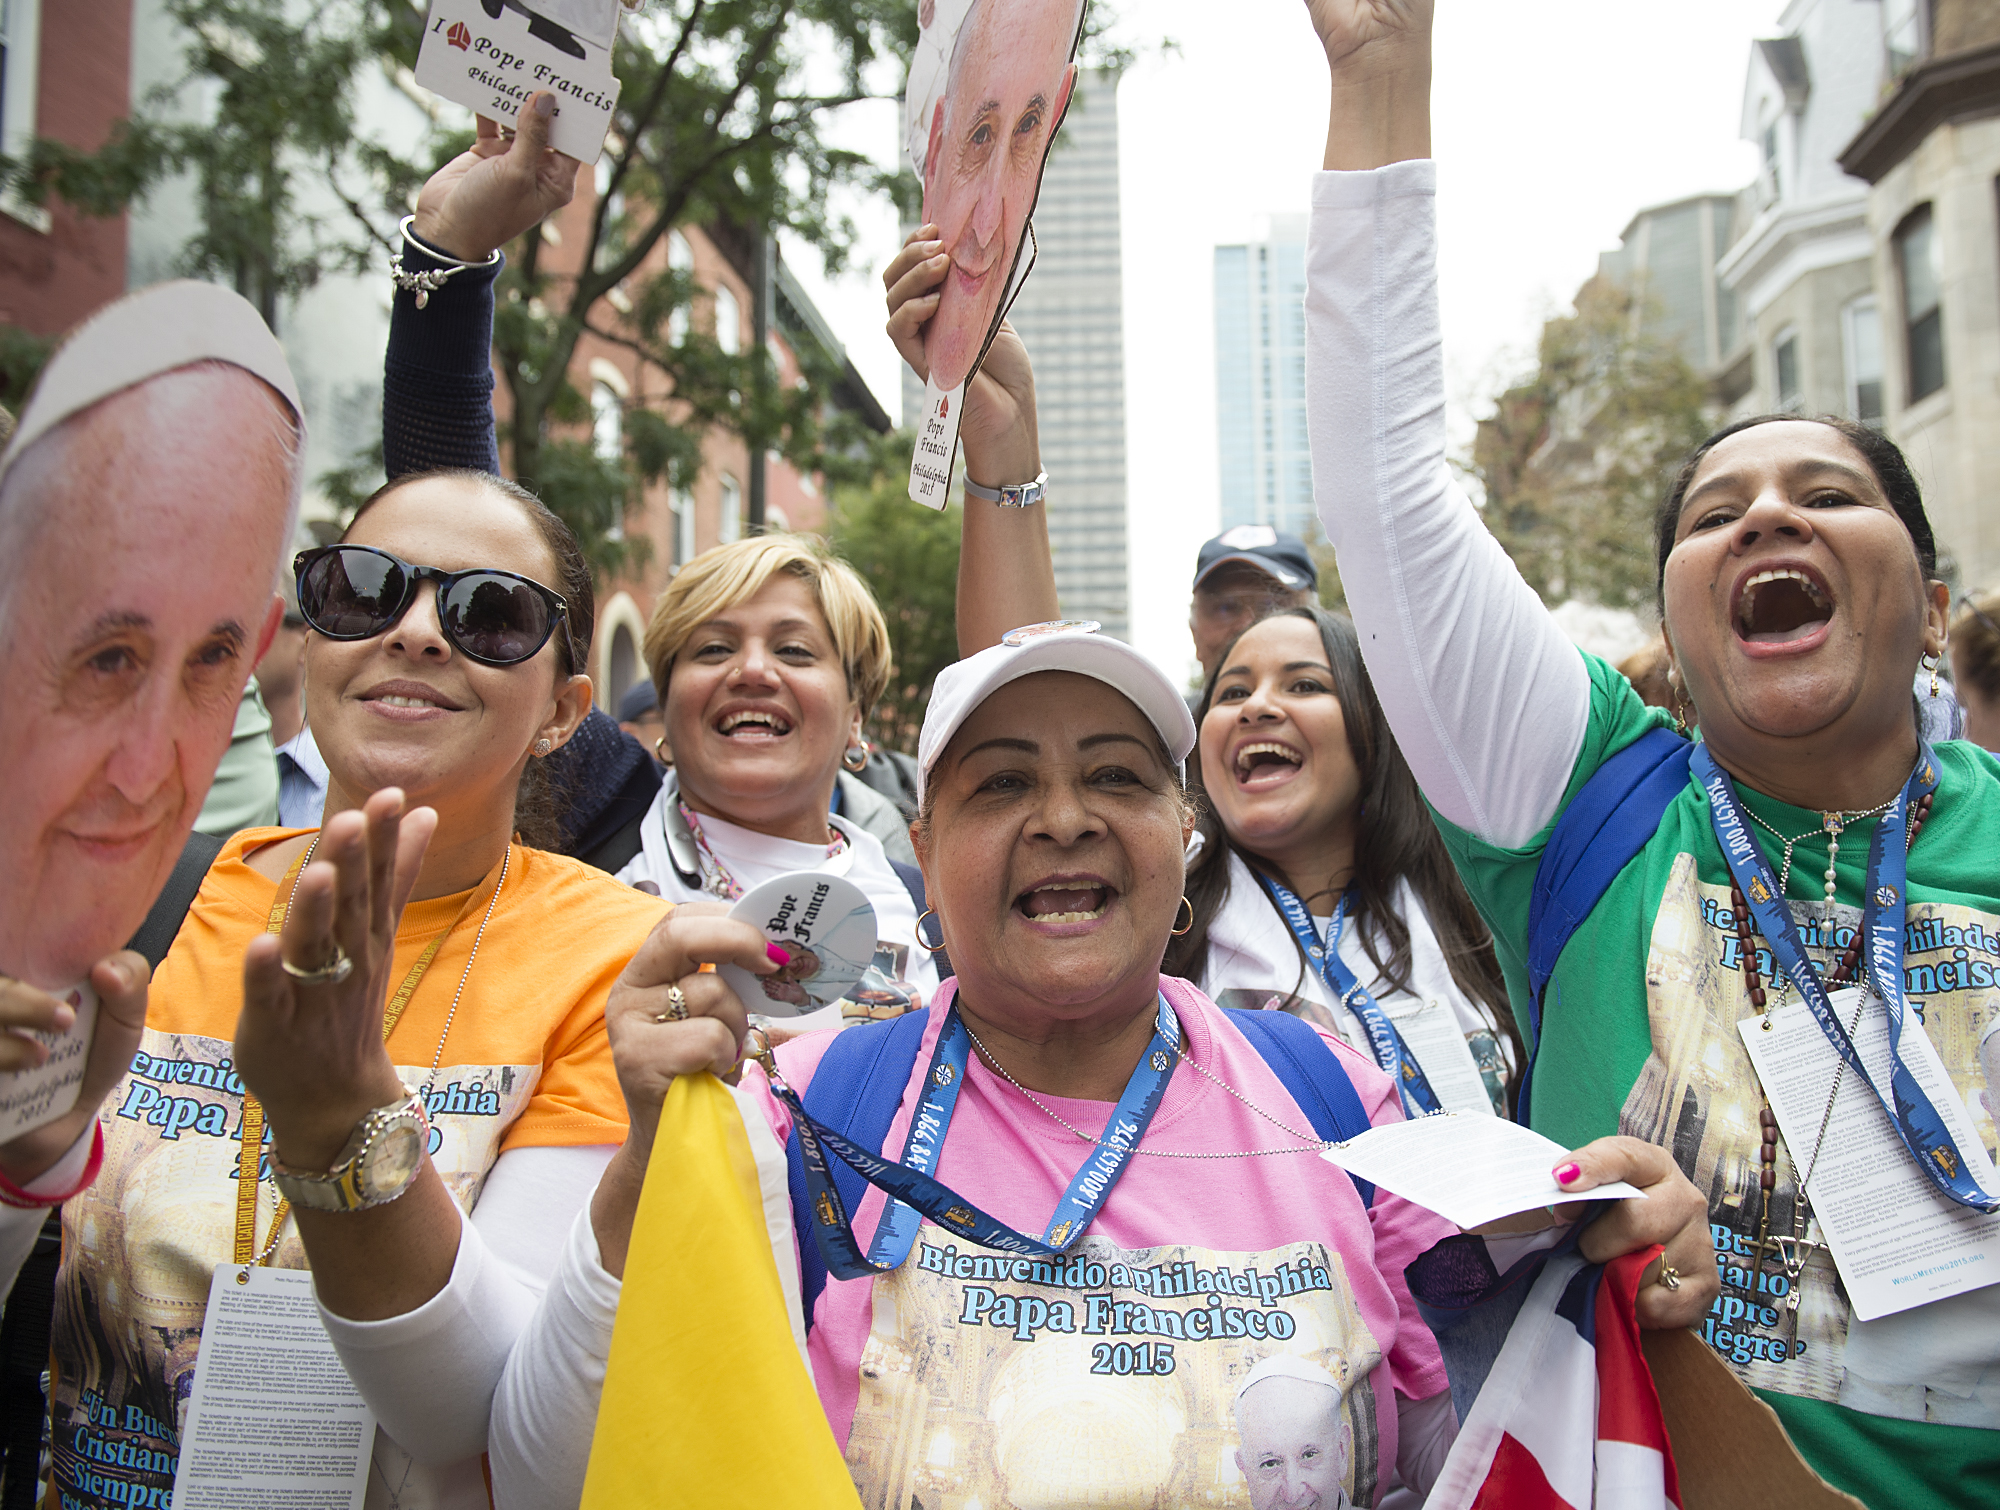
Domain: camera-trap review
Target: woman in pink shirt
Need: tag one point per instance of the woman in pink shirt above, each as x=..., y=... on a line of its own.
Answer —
x=1132, y=1277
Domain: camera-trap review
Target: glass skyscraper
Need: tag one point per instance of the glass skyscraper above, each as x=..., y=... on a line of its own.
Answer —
x=1260, y=379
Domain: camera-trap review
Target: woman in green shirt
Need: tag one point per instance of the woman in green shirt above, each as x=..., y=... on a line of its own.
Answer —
x=1798, y=593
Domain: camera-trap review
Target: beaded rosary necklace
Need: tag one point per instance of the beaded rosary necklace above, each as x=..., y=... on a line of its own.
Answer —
x=1791, y=1250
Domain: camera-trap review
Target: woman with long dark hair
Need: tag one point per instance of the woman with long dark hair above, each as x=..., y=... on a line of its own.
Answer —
x=1770, y=950
x=1320, y=884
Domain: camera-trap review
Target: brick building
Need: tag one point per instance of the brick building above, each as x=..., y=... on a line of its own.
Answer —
x=65, y=74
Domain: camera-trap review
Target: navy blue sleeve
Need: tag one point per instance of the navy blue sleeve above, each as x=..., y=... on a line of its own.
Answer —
x=437, y=379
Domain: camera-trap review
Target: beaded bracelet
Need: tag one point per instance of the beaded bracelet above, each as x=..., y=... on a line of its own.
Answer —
x=428, y=282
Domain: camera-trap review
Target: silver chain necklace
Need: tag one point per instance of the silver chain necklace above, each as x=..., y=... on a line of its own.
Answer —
x=1830, y=824
x=1313, y=1144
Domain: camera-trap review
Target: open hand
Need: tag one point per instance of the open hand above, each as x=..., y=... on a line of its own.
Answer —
x=1347, y=27
x=313, y=1054
x=998, y=428
x=1673, y=1214
x=120, y=982
x=504, y=183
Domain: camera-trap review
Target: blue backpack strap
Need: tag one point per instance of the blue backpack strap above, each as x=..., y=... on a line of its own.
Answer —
x=855, y=1091
x=1307, y=1068
x=1599, y=834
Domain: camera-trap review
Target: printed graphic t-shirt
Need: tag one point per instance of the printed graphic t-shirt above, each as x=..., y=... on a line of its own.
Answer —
x=1110, y=1378
x=1639, y=1036
x=526, y=1064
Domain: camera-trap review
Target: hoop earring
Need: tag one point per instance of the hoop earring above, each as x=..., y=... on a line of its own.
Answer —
x=1930, y=663
x=660, y=750
x=938, y=947
x=856, y=757
x=1177, y=932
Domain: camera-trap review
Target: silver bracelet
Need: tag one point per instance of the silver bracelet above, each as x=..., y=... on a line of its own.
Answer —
x=424, y=284
x=1016, y=495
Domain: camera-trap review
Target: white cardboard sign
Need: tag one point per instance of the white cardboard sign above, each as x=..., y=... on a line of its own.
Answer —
x=491, y=55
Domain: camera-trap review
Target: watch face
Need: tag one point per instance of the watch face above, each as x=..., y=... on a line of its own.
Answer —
x=389, y=1162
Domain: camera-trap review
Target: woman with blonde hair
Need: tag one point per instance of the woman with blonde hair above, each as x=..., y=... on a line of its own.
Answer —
x=768, y=654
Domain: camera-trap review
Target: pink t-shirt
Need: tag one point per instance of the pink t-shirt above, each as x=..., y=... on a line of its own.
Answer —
x=971, y=1374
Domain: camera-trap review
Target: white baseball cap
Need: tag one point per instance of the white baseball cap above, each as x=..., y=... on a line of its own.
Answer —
x=1078, y=645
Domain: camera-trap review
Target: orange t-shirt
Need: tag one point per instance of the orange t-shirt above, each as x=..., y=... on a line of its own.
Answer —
x=526, y=1063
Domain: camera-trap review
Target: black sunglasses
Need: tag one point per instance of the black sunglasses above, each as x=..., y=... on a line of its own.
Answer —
x=354, y=592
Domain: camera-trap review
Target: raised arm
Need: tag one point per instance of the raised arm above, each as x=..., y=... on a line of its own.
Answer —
x=1006, y=577
x=437, y=379
x=1487, y=697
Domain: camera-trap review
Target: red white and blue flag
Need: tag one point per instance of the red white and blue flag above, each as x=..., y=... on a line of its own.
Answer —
x=1568, y=1418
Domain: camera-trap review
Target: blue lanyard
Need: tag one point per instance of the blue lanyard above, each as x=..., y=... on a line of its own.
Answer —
x=1391, y=1052
x=1884, y=905
x=915, y=1194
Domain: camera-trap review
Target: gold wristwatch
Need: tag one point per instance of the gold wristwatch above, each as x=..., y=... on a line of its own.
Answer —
x=378, y=1162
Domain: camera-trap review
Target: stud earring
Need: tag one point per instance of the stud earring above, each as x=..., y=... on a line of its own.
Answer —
x=543, y=746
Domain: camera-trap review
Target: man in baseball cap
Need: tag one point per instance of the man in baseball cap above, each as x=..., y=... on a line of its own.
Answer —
x=1243, y=575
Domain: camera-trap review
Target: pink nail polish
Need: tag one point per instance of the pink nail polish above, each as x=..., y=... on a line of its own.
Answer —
x=1568, y=1174
x=776, y=955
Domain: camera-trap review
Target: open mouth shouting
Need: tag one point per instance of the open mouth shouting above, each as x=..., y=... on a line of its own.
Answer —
x=1065, y=899
x=1265, y=763
x=1781, y=608
x=753, y=725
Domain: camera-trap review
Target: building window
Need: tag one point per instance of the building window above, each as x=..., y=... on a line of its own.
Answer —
x=607, y=423
x=728, y=322
x=1785, y=373
x=624, y=665
x=732, y=510
x=1861, y=328
x=1774, y=184
x=680, y=259
x=681, y=503
x=1923, y=315
x=20, y=92
x=1902, y=34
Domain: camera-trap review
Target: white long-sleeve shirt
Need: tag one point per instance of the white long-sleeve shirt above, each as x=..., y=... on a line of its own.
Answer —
x=1489, y=701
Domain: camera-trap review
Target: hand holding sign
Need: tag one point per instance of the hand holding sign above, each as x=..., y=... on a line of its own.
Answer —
x=988, y=86
x=997, y=425
x=497, y=188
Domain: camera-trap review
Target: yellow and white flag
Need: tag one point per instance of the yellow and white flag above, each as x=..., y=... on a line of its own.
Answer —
x=707, y=1401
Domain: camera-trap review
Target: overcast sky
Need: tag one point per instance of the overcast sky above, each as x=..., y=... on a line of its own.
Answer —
x=1554, y=121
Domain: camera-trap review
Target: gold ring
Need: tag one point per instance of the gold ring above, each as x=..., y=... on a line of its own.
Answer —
x=1670, y=1277
x=677, y=1007
x=332, y=973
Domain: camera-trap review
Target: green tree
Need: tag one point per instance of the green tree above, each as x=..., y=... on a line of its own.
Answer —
x=909, y=556
x=281, y=77
x=1574, y=461
x=722, y=122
